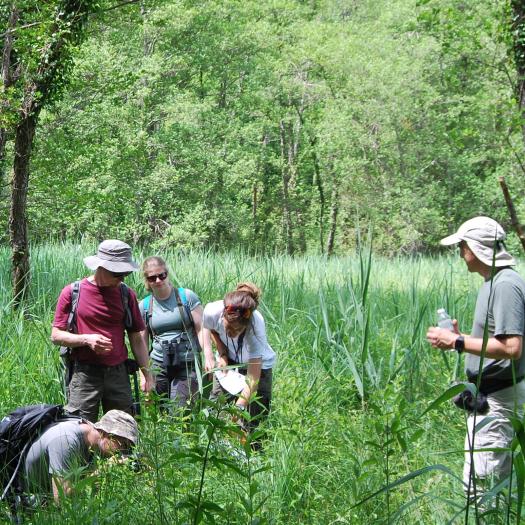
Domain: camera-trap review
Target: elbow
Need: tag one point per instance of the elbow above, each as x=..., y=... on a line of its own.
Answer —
x=515, y=354
x=514, y=350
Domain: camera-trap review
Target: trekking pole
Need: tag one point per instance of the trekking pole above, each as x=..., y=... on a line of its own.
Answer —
x=132, y=368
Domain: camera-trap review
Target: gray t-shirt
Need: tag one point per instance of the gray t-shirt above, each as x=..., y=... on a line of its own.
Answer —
x=165, y=321
x=506, y=316
x=58, y=451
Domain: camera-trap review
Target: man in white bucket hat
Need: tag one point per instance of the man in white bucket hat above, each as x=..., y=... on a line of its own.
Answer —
x=91, y=319
x=500, y=305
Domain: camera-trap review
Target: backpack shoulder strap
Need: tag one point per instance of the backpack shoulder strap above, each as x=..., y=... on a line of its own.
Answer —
x=72, y=318
x=124, y=294
x=182, y=293
x=182, y=302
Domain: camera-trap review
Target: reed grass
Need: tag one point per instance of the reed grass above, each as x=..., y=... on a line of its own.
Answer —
x=354, y=377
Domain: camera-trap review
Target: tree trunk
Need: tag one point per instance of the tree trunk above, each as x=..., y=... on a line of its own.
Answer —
x=518, y=32
x=285, y=174
x=7, y=78
x=318, y=182
x=333, y=220
x=25, y=132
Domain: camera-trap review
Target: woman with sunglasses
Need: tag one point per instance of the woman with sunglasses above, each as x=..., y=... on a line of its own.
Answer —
x=238, y=331
x=173, y=320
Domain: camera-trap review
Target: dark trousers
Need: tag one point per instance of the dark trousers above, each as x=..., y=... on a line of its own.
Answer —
x=260, y=407
x=95, y=385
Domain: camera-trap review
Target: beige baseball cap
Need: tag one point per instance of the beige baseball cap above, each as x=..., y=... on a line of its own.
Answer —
x=483, y=235
x=119, y=423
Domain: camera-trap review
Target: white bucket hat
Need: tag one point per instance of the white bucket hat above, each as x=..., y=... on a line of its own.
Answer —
x=114, y=256
x=482, y=234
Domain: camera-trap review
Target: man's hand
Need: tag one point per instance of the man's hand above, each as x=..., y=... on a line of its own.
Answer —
x=98, y=343
x=147, y=381
x=442, y=338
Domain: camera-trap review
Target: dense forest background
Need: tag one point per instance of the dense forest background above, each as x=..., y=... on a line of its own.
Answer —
x=287, y=125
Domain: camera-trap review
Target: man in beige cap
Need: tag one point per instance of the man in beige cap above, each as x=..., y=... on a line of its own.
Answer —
x=91, y=318
x=500, y=305
x=66, y=446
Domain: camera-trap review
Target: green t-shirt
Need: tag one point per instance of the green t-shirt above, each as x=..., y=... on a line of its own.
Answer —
x=165, y=321
x=506, y=316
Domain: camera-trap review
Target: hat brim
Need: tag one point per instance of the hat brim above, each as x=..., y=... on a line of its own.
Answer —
x=451, y=239
x=485, y=254
x=109, y=429
x=93, y=262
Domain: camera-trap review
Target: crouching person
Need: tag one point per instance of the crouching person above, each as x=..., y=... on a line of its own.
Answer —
x=68, y=446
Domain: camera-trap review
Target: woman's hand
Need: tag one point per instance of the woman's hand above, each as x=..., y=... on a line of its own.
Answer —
x=222, y=363
x=209, y=363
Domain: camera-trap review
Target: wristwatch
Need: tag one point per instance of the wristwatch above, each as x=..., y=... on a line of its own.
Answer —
x=459, y=344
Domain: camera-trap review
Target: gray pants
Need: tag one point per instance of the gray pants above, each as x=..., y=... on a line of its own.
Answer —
x=178, y=382
x=94, y=385
x=497, y=433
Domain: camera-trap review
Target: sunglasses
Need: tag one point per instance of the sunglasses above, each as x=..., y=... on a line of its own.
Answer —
x=120, y=275
x=241, y=312
x=152, y=278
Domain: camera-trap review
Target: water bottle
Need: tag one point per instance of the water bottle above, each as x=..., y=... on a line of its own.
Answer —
x=444, y=320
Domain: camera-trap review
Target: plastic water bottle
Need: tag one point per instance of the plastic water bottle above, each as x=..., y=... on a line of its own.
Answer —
x=444, y=320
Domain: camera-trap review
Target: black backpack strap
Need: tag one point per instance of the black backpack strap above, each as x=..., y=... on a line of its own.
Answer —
x=182, y=300
x=190, y=330
x=72, y=318
x=149, y=316
x=128, y=317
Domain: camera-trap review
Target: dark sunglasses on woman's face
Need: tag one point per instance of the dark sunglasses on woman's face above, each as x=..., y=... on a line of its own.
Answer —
x=120, y=275
x=153, y=278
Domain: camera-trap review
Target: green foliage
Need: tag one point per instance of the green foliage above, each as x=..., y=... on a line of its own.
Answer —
x=346, y=424
x=226, y=123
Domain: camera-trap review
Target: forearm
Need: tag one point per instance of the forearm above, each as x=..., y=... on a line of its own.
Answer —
x=252, y=382
x=139, y=350
x=222, y=349
x=500, y=347
x=60, y=487
x=206, y=343
x=495, y=349
x=64, y=338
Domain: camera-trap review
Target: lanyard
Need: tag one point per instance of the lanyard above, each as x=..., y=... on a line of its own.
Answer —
x=237, y=349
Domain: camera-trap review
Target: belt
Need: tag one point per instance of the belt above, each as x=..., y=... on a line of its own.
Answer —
x=491, y=385
x=91, y=366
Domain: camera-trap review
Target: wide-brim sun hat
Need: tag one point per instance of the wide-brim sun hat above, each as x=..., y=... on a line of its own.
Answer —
x=114, y=256
x=484, y=236
x=119, y=423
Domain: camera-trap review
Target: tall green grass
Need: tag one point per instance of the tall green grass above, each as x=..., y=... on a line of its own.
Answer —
x=353, y=377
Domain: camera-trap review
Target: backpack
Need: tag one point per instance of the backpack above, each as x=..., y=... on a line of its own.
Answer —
x=75, y=294
x=18, y=431
x=65, y=352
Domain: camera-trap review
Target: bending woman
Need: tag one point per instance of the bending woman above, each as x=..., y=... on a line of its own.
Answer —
x=173, y=320
x=237, y=328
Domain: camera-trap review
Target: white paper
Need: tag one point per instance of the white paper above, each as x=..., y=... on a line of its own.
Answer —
x=232, y=381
